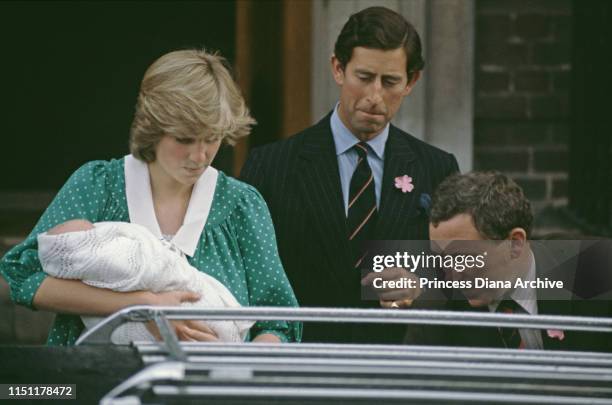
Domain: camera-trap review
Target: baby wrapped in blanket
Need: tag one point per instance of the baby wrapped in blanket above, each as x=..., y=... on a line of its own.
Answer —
x=123, y=256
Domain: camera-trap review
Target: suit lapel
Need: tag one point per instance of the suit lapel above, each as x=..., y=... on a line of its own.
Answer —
x=394, y=205
x=552, y=308
x=322, y=195
x=547, y=266
x=472, y=336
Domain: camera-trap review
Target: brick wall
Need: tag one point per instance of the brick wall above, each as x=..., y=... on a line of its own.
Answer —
x=523, y=66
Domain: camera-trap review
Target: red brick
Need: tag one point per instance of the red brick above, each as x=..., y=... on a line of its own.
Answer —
x=534, y=189
x=559, y=188
x=532, y=26
x=511, y=132
x=550, y=160
x=560, y=133
x=561, y=81
x=501, y=107
x=529, y=133
x=554, y=53
x=488, y=133
x=523, y=6
x=501, y=54
x=535, y=81
x=562, y=28
x=550, y=107
x=492, y=81
x=515, y=161
x=493, y=28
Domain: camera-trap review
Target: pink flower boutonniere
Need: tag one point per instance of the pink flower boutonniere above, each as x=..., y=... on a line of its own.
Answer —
x=404, y=183
x=555, y=334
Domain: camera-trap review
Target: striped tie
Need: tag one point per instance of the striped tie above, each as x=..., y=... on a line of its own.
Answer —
x=362, y=205
x=511, y=337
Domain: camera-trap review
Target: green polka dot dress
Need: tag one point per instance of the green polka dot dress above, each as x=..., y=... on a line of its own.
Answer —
x=237, y=245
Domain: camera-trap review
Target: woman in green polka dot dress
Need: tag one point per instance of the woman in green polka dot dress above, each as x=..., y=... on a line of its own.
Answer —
x=188, y=104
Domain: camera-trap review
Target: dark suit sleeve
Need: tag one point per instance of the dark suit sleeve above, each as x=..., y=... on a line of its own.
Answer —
x=454, y=166
x=448, y=166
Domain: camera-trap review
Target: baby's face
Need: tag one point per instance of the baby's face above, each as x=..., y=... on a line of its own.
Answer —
x=74, y=225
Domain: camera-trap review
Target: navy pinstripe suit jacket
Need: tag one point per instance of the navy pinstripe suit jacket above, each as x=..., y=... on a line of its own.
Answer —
x=299, y=179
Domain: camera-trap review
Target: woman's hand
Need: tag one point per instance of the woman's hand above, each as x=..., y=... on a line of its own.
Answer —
x=266, y=338
x=172, y=298
x=189, y=330
x=74, y=297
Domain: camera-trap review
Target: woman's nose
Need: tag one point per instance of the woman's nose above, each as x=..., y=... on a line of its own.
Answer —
x=199, y=152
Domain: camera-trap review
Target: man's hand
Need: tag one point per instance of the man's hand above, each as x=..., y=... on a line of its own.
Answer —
x=393, y=297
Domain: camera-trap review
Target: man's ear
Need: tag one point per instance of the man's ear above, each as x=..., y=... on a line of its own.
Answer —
x=337, y=70
x=518, y=241
x=414, y=77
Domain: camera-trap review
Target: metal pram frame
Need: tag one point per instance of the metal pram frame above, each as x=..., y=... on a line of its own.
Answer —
x=190, y=372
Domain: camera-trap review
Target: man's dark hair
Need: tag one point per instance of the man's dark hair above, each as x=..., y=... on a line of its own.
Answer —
x=380, y=28
x=495, y=202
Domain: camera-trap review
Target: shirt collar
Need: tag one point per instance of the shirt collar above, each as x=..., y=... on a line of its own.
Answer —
x=525, y=297
x=141, y=210
x=345, y=140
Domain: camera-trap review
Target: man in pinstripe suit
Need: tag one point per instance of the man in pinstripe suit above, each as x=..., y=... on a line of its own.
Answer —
x=353, y=176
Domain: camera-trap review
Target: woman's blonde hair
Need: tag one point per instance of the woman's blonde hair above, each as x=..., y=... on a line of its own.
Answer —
x=188, y=94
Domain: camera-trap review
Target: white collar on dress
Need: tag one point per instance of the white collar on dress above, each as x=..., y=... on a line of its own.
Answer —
x=141, y=210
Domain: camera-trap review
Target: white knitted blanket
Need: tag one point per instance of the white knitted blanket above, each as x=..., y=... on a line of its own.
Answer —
x=127, y=257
